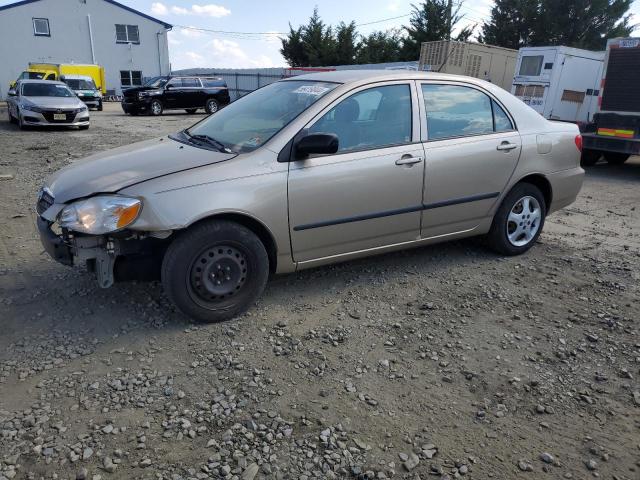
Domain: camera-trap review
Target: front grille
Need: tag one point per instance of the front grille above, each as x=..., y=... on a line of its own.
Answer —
x=69, y=116
x=45, y=200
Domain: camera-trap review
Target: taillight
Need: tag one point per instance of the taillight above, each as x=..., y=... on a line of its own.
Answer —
x=578, y=141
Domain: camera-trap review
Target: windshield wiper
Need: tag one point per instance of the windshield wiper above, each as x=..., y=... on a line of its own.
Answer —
x=208, y=140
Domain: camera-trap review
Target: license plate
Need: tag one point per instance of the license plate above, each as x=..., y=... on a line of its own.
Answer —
x=59, y=116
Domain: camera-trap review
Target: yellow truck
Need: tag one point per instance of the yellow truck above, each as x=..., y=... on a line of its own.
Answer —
x=54, y=71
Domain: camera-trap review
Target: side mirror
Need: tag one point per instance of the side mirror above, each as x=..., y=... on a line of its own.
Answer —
x=12, y=92
x=316, y=143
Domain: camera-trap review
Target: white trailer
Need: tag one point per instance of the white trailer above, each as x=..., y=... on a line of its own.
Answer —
x=560, y=83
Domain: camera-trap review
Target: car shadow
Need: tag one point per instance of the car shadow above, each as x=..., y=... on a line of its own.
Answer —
x=627, y=172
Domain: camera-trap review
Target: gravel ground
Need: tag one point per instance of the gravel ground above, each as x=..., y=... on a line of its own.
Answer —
x=441, y=362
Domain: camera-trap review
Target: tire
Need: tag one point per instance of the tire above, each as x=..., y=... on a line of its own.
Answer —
x=21, y=125
x=615, y=158
x=503, y=236
x=11, y=119
x=211, y=106
x=155, y=107
x=207, y=254
x=191, y=110
x=100, y=106
x=590, y=157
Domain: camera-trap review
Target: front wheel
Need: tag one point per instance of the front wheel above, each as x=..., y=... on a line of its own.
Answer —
x=156, y=107
x=21, y=124
x=215, y=270
x=518, y=222
x=212, y=105
x=11, y=119
x=615, y=158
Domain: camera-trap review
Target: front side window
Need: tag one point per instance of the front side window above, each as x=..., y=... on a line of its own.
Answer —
x=252, y=120
x=127, y=34
x=531, y=66
x=41, y=27
x=46, y=90
x=373, y=118
x=130, y=78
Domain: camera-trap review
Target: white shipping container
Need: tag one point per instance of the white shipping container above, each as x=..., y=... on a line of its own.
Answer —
x=560, y=83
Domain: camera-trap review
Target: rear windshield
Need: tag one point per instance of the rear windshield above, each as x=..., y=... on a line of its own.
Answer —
x=31, y=76
x=80, y=84
x=46, y=90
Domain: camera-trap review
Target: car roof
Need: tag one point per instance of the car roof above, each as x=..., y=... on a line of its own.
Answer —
x=367, y=76
x=48, y=82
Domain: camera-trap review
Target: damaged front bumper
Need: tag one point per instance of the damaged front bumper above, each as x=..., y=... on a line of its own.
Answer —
x=69, y=249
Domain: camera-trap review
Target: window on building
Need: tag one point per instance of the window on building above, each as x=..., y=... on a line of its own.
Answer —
x=41, y=27
x=531, y=65
x=130, y=78
x=127, y=34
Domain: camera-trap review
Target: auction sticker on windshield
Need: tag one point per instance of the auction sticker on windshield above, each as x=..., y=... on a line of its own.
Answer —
x=311, y=90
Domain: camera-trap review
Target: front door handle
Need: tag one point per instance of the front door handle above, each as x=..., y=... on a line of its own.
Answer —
x=506, y=146
x=408, y=160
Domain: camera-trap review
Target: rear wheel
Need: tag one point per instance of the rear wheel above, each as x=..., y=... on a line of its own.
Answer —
x=191, y=110
x=215, y=270
x=212, y=105
x=155, y=107
x=518, y=222
x=615, y=158
x=590, y=157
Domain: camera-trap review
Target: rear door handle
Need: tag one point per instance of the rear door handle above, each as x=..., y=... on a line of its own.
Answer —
x=507, y=146
x=408, y=160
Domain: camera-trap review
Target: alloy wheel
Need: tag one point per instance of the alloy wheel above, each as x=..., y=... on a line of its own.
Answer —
x=523, y=221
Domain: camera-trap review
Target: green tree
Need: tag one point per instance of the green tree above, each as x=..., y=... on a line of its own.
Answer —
x=346, y=44
x=513, y=24
x=430, y=21
x=293, y=48
x=575, y=23
x=312, y=44
x=380, y=47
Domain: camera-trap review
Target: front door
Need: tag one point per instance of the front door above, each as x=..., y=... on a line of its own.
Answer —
x=173, y=93
x=369, y=193
x=471, y=150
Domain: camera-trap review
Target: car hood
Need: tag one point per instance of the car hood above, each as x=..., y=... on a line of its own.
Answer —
x=113, y=170
x=132, y=90
x=54, y=102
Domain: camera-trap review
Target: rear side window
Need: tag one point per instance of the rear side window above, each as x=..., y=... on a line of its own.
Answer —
x=213, y=83
x=457, y=111
x=531, y=66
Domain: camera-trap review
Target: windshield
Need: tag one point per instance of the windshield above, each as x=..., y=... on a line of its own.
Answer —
x=252, y=120
x=31, y=76
x=80, y=84
x=46, y=90
x=156, y=82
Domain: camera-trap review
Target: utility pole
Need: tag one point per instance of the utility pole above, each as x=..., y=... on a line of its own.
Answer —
x=449, y=15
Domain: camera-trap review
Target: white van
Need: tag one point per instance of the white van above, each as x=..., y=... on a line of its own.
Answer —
x=560, y=83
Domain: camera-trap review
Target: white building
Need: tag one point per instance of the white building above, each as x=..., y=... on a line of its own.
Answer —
x=129, y=44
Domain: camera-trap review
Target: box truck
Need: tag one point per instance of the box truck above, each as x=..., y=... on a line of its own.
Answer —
x=560, y=83
x=614, y=132
x=487, y=62
x=54, y=71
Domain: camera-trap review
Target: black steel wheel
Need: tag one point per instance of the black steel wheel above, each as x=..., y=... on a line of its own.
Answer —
x=215, y=270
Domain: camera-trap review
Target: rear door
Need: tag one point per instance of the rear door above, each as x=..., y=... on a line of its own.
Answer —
x=193, y=94
x=471, y=150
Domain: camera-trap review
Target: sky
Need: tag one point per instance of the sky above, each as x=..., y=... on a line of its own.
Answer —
x=195, y=48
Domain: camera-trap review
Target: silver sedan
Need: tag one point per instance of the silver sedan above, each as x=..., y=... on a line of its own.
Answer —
x=46, y=103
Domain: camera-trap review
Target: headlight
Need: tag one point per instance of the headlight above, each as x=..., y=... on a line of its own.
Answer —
x=33, y=108
x=149, y=93
x=100, y=214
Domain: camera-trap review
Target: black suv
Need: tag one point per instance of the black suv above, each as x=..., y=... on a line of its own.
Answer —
x=185, y=93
